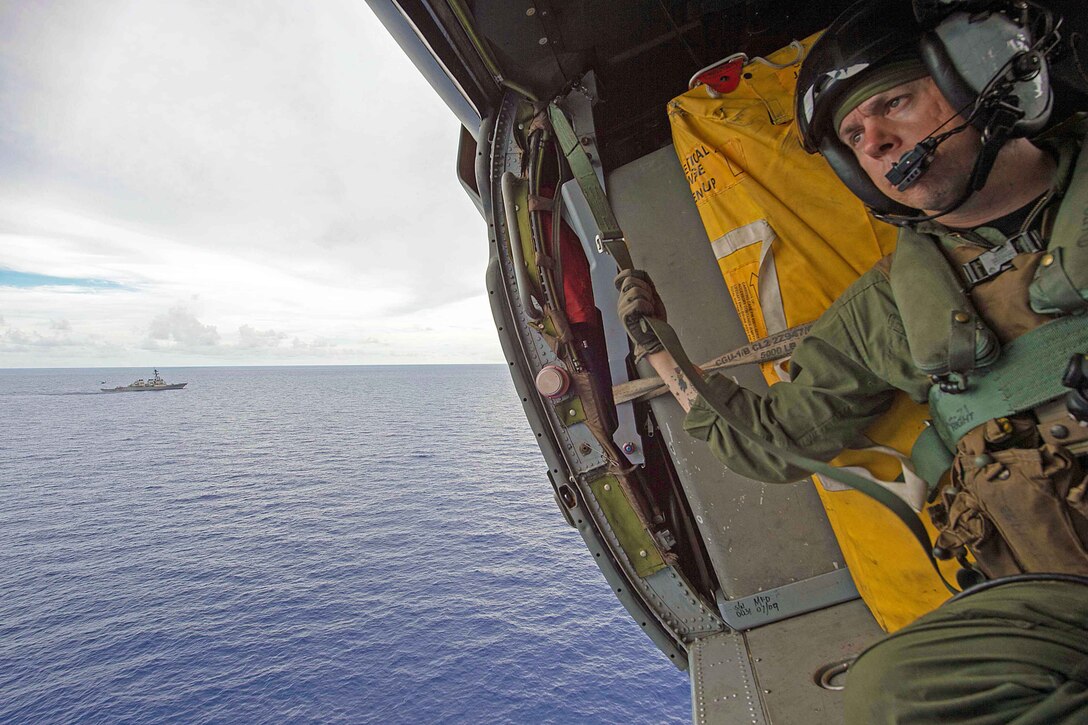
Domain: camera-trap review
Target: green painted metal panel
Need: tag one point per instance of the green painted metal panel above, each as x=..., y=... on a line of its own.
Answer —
x=634, y=539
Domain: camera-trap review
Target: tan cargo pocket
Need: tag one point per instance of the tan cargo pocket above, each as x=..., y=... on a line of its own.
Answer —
x=1023, y=511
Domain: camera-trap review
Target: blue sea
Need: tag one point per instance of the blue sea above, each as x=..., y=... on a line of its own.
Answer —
x=300, y=545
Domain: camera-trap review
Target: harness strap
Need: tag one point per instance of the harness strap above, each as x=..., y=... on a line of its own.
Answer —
x=993, y=262
x=931, y=458
x=961, y=342
x=611, y=239
x=609, y=235
x=1004, y=388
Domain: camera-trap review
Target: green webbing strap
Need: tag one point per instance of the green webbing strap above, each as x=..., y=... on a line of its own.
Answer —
x=609, y=236
x=961, y=342
x=1027, y=374
x=613, y=241
x=930, y=457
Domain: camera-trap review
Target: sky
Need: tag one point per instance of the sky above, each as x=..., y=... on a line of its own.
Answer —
x=254, y=182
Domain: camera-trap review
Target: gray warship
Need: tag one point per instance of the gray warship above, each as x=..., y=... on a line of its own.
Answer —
x=141, y=385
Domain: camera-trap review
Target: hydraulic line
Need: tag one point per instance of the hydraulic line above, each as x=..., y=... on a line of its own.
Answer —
x=545, y=262
x=517, y=251
x=463, y=17
x=556, y=250
x=536, y=226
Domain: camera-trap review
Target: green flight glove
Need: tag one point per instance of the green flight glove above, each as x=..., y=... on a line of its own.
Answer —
x=639, y=300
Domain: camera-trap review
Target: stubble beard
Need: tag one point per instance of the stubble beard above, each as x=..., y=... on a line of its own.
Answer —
x=937, y=194
x=945, y=181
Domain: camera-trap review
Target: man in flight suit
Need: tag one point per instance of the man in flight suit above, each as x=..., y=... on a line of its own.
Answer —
x=986, y=257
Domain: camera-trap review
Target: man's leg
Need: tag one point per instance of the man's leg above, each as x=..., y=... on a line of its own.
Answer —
x=1014, y=653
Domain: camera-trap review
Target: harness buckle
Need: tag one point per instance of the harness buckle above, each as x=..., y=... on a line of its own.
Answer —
x=993, y=262
x=604, y=239
x=950, y=383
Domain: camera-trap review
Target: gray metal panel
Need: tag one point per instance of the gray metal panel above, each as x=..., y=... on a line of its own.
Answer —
x=685, y=612
x=723, y=686
x=787, y=656
x=769, y=675
x=788, y=600
x=759, y=536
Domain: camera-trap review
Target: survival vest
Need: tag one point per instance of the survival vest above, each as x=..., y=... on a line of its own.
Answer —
x=950, y=340
x=1017, y=496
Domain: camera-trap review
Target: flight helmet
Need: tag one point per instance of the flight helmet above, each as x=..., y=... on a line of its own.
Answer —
x=986, y=62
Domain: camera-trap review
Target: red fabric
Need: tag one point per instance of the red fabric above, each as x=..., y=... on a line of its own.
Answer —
x=577, y=290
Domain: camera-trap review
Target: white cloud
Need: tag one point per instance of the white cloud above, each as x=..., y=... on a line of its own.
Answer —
x=249, y=337
x=181, y=326
x=283, y=166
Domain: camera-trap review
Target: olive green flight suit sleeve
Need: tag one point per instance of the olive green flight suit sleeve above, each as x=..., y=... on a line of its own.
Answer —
x=1015, y=652
x=844, y=376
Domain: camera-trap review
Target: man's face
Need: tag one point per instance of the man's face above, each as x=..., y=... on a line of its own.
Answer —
x=889, y=124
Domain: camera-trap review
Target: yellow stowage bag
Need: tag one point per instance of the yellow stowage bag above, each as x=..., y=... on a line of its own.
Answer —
x=789, y=238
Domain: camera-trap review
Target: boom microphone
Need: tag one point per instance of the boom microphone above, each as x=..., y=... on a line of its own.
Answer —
x=910, y=167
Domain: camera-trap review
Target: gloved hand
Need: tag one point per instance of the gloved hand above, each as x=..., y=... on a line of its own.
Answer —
x=639, y=300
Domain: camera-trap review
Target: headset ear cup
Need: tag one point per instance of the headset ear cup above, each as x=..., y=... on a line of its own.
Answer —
x=846, y=167
x=964, y=55
x=942, y=68
x=1043, y=105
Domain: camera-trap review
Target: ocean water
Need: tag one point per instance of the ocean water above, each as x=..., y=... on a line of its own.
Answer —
x=315, y=544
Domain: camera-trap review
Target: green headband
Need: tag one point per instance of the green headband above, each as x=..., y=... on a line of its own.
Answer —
x=877, y=81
